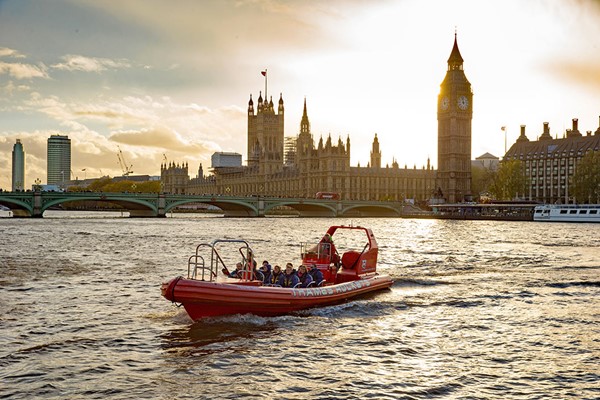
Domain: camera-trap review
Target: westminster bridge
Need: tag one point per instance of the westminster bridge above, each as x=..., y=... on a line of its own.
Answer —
x=33, y=204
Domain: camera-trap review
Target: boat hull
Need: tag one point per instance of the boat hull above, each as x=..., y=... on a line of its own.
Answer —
x=203, y=299
x=567, y=213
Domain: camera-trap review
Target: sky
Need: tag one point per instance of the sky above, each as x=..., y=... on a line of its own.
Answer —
x=170, y=80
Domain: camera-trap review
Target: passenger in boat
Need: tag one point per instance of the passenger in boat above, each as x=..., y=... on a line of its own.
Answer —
x=276, y=277
x=289, y=278
x=265, y=268
x=257, y=275
x=316, y=274
x=330, y=251
x=304, y=277
x=236, y=272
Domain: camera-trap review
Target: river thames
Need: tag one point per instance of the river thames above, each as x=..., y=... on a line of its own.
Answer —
x=479, y=309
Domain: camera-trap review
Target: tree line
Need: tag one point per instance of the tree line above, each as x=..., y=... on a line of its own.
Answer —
x=108, y=185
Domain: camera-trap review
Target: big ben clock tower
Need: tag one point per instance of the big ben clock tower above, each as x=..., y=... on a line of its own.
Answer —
x=455, y=112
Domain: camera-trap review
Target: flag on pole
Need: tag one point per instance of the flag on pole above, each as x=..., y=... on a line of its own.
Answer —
x=264, y=73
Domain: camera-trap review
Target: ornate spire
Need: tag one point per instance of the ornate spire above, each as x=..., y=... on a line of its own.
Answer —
x=455, y=61
x=304, y=123
x=280, y=110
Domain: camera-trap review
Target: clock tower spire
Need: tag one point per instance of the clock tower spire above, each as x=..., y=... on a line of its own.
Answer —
x=455, y=112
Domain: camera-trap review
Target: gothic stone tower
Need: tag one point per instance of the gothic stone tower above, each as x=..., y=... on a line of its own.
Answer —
x=455, y=112
x=265, y=136
x=375, y=154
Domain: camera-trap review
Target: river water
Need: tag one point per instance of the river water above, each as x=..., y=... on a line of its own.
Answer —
x=479, y=309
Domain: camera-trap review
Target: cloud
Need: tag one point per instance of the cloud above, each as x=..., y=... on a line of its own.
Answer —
x=145, y=127
x=584, y=74
x=10, y=88
x=90, y=64
x=233, y=29
x=23, y=71
x=162, y=138
x=6, y=52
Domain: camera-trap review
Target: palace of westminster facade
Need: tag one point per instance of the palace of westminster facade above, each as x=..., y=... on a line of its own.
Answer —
x=295, y=167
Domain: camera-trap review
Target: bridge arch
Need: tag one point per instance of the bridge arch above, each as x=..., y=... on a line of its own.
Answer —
x=20, y=206
x=305, y=208
x=125, y=202
x=135, y=206
x=370, y=210
x=230, y=207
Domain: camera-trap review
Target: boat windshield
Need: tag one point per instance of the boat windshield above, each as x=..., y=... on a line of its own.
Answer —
x=320, y=251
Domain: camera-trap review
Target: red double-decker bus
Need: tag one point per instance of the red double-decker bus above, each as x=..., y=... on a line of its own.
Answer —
x=328, y=195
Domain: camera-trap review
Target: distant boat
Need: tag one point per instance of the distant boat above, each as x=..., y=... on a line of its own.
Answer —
x=567, y=213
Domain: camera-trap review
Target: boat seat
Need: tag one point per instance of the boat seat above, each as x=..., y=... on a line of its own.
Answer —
x=349, y=259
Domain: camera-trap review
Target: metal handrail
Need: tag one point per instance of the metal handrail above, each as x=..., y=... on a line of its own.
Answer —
x=197, y=261
x=193, y=261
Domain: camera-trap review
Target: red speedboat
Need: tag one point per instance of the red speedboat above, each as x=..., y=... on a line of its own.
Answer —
x=209, y=291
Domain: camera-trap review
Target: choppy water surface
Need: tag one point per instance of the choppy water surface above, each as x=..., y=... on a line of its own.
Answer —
x=479, y=310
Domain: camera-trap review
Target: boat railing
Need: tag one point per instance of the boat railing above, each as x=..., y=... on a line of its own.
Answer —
x=195, y=263
x=197, y=268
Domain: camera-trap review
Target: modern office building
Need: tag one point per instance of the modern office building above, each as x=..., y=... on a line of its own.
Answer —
x=18, y=167
x=59, y=160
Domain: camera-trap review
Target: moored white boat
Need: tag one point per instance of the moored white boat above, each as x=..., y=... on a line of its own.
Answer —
x=567, y=213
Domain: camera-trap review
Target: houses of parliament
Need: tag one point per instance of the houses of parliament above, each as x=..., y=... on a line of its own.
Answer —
x=296, y=167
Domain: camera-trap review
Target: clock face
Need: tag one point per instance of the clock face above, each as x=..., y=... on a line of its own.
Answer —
x=445, y=103
x=463, y=103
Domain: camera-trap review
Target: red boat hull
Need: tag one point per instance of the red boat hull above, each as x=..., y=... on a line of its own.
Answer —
x=207, y=299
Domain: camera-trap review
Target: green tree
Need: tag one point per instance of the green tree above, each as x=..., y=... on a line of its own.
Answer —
x=482, y=179
x=98, y=184
x=586, y=180
x=510, y=181
x=108, y=185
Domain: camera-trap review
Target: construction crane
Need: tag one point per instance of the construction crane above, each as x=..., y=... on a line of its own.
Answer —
x=127, y=170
